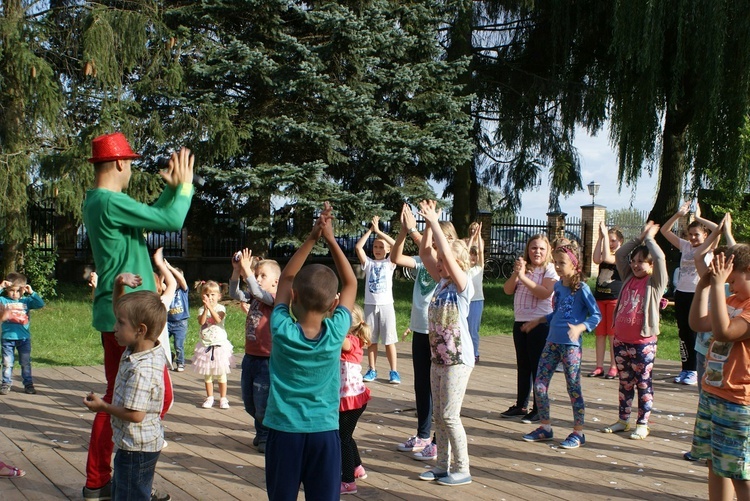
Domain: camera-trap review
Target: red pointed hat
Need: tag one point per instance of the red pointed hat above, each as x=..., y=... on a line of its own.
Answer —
x=111, y=147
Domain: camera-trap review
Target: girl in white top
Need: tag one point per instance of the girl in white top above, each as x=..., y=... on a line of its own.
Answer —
x=213, y=355
x=685, y=287
x=476, y=274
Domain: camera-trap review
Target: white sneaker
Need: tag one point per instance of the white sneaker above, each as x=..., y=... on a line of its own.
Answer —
x=208, y=403
x=224, y=403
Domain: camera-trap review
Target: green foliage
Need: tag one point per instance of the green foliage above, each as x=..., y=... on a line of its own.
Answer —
x=39, y=268
x=629, y=221
x=63, y=334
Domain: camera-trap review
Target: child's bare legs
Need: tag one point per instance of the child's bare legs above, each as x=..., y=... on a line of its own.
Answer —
x=612, y=364
x=601, y=345
x=209, y=381
x=372, y=355
x=722, y=488
x=223, y=390
x=390, y=353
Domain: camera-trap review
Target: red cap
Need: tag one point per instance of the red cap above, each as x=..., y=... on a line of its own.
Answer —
x=111, y=147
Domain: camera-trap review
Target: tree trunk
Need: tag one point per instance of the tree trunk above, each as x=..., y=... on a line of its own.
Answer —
x=464, y=181
x=672, y=176
x=672, y=164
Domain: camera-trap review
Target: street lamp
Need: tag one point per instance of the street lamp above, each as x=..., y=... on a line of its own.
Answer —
x=593, y=187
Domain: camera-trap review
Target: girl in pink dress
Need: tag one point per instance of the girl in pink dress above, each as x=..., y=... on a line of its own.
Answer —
x=354, y=397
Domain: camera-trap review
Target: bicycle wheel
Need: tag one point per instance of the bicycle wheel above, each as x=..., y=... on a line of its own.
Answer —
x=507, y=268
x=491, y=269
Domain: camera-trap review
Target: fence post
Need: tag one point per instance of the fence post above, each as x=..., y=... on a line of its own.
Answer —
x=555, y=225
x=485, y=219
x=592, y=216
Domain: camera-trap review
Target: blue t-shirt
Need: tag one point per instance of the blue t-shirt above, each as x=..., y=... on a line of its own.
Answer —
x=17, y=326
x=304, y=393
x=572, y=308
x=178, y=308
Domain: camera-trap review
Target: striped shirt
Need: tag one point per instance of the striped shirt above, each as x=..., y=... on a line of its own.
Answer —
x=140, y=387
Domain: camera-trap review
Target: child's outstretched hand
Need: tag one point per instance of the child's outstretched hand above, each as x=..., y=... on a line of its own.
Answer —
x=428, y=210
x=407, y=217
x=375, y=223
x=650, y=229
x=246, y=262
x=328, y=234
x=684, y=208
x=325, y=215
x=129, y=279
x=720, y=269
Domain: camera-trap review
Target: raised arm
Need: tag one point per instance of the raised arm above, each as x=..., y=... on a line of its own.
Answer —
x=379, y=233
x=705, y=222
x=444, y=250
x=477, y=240
x=728, y=229
x=121, y=281
x=284, y=290
x=724, y=328
x=359, y=247
x=666, y=229
x=348, y=293
x=709, y=244
x=408, y=228
x=178, y=276
x=602, y=251
x=169, y=279
x=427, y=254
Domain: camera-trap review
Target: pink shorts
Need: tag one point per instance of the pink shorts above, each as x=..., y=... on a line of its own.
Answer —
x=607, y=309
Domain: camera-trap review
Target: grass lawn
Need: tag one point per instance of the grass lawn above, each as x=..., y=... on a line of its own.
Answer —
x=61, y=332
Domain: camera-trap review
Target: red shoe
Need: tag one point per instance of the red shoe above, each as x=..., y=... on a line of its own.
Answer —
x=611, y=374
x=596, y=372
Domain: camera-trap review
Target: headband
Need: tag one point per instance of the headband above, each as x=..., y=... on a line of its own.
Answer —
x=572, y=256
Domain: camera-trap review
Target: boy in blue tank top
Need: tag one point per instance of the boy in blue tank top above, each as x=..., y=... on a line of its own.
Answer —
x=308, y=326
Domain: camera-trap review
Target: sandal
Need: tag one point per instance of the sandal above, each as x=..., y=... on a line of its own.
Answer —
x=619, y=426
x=596, y=372
x=8, y=471
x=611, y=374
x=641, y=432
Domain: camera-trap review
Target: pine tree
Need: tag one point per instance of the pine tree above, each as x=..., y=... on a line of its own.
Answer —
x=30, y=101
x=299, y=102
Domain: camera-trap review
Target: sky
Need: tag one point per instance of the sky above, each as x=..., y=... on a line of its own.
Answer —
x=599, y=164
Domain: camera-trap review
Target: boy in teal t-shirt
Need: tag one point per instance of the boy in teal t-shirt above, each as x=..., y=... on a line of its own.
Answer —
x=302, y=415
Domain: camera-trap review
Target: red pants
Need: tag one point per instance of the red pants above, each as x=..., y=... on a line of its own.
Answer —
x=98, y=464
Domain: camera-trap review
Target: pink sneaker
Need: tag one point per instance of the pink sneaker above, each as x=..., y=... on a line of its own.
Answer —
x=360, y=473
x=348, y=488
x=428, y=453
x=414, y=444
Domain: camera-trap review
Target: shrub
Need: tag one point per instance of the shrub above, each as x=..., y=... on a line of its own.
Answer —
x=39, y=268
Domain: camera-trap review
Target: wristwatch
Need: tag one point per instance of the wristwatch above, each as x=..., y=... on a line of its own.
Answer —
x=412, y=230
